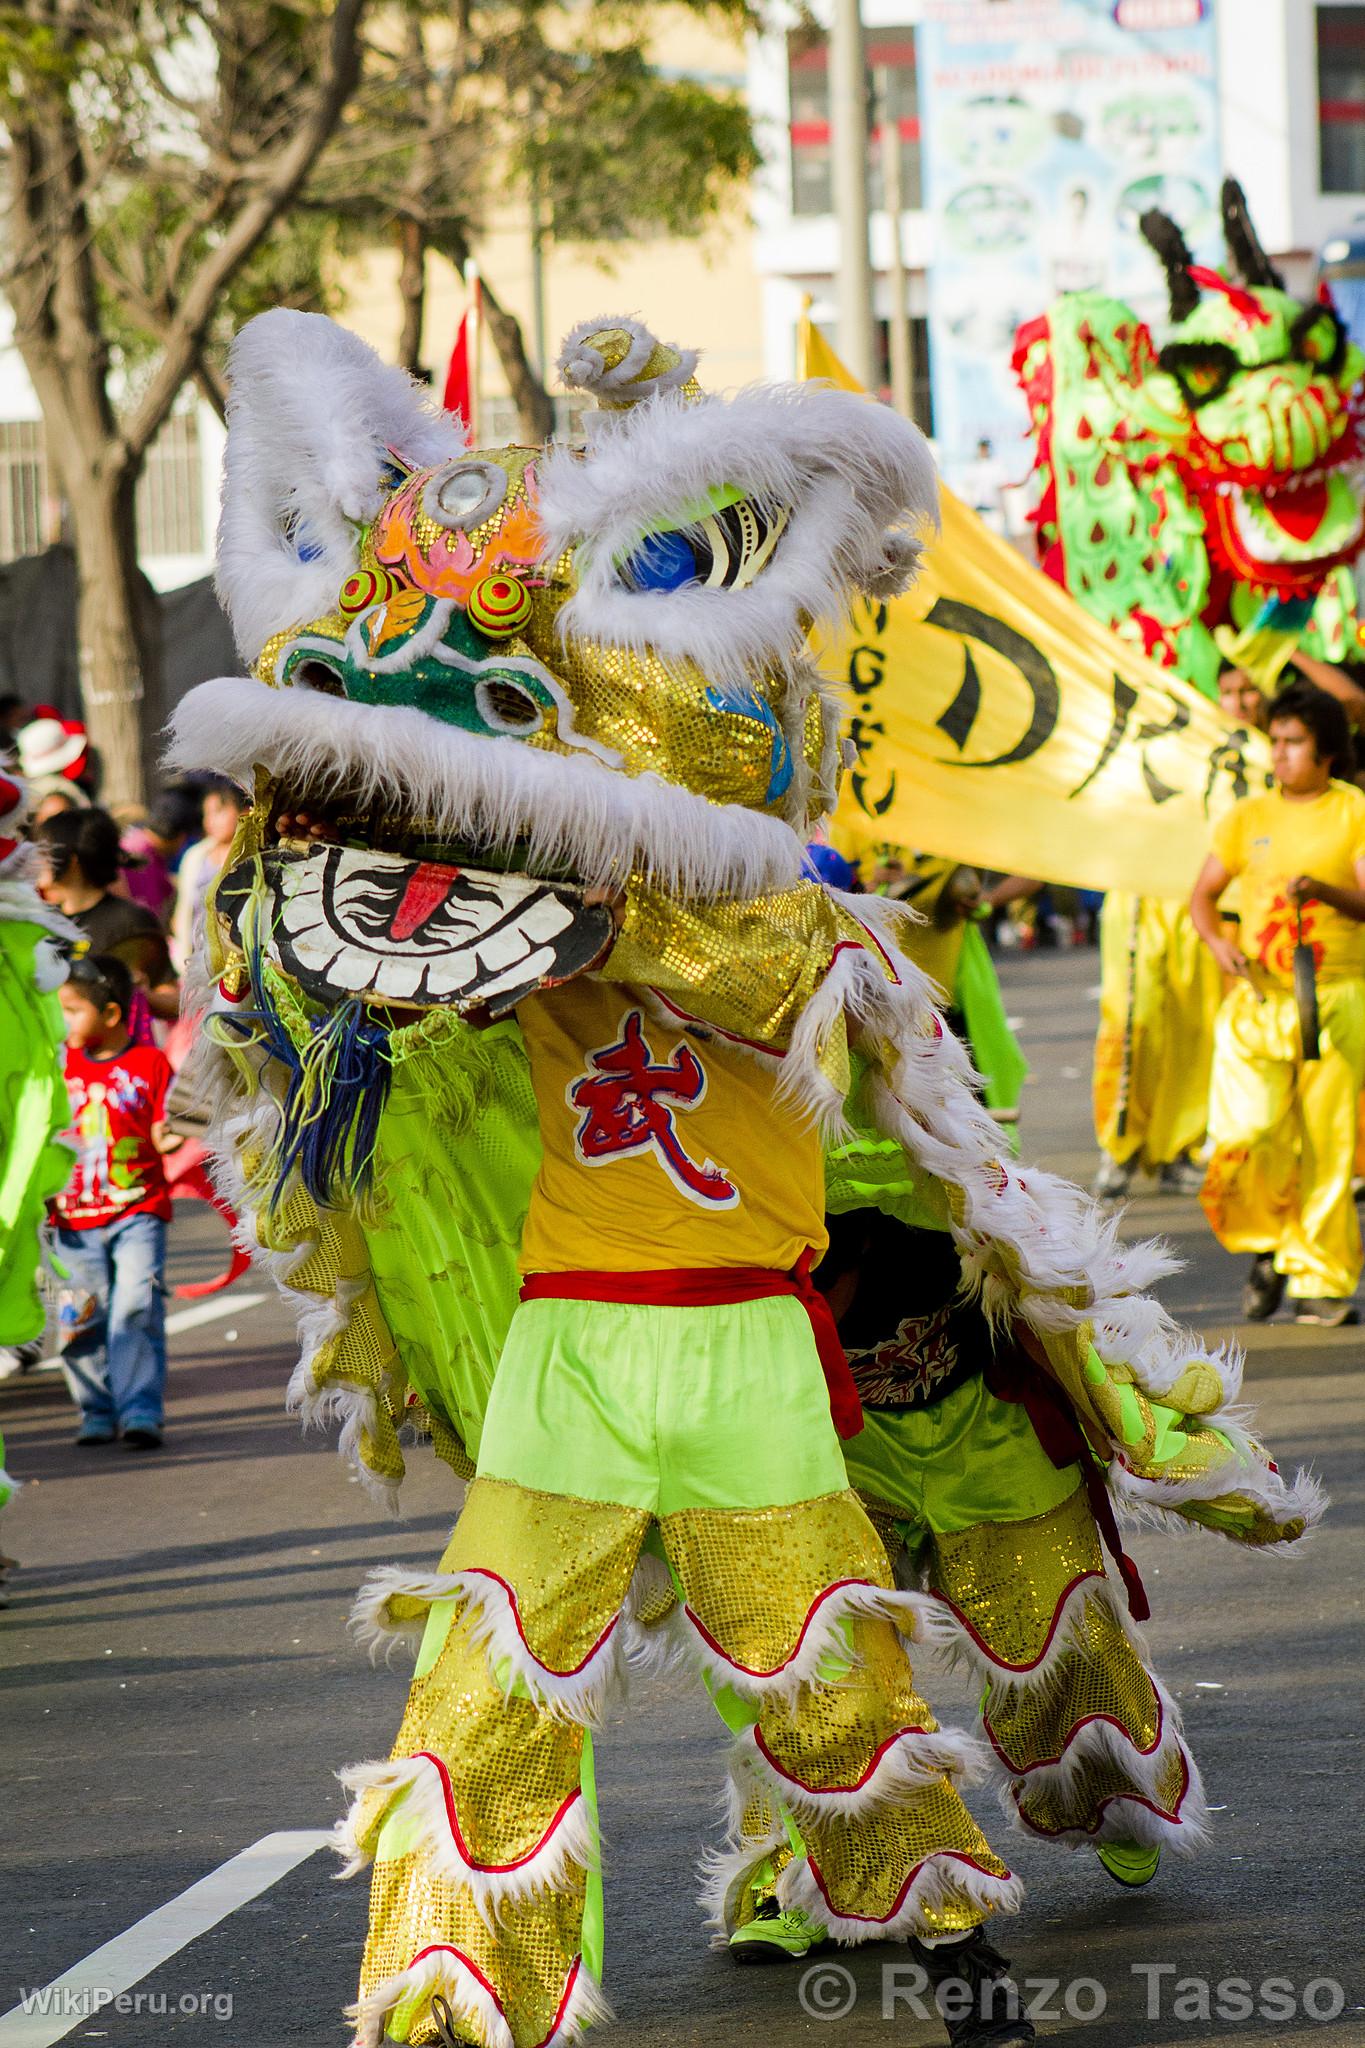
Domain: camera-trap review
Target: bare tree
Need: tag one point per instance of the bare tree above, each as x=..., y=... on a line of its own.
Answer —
x=202, y=122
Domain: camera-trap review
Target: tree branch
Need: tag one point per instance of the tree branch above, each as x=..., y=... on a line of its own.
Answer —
x=185, y=340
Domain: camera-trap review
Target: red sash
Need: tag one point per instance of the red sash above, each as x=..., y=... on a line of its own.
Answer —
x=720, y=1287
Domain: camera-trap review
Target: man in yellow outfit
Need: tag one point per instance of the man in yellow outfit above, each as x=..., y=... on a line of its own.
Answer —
x=1282, y=1123
x=1159, y=995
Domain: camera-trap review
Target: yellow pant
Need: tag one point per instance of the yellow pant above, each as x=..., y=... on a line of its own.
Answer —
x=1284, y=1135
x=1175, y=992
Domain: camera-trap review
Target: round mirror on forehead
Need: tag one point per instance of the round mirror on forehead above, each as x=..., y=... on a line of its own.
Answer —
x=465, y=493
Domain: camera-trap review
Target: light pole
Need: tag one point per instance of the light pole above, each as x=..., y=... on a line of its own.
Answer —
x=848, y=166
x=893, y=199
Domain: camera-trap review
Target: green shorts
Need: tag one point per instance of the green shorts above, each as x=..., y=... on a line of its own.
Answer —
x=663, y=1408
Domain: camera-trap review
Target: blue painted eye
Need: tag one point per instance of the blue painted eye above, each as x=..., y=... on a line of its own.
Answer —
x=663, y=561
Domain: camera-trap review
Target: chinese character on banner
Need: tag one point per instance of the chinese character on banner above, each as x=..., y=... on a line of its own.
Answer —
x=628, y=1100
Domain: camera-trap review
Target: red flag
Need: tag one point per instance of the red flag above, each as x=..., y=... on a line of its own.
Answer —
x=458, y=397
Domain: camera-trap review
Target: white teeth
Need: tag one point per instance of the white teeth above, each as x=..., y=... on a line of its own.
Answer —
x=318, y=948
x=352, y=969
x=523, y=974
x=503, y=948
x=450, y=972
x=398, y=978
x=546, y=917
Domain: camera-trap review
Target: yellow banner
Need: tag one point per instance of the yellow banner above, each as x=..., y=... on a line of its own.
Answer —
x=995, y=722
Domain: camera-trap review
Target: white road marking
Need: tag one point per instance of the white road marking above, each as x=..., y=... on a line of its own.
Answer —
x=68, y=2002
x=211, y=1311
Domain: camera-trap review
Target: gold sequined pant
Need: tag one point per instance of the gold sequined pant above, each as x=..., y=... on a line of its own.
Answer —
x=482, y=1826
x=1087, y=1738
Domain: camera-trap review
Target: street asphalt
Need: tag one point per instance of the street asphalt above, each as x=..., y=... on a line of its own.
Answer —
x=178, y=1684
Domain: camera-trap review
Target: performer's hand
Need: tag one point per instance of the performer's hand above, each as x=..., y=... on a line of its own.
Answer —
x=1301, y=887
x=307, y=825
x=615, y=900
x=1230, y=957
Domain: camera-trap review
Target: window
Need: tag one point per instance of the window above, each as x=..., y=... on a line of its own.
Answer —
x=170, y=498
x=170, y=503
x=1341, y=98
x=922, y=397
x=23, y=489
x=890, y=54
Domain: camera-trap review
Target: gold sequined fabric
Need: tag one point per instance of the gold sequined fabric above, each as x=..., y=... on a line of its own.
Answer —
x=1086, y=1799
x=749, y=967
x=662, y=718
x=569, y=1562
x=510, y=1765
x=865, y=1869
x=526, y=1955
x=1099, y=1674
x=751, y=1579
x=834, y=1741
x=1008, y=1579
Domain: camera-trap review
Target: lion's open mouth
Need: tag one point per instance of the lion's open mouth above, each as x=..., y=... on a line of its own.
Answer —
x=400, y=916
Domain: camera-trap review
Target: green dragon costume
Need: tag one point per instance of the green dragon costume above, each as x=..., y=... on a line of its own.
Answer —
x=522, y=1030
x=34, y=1164
x=1202, y=498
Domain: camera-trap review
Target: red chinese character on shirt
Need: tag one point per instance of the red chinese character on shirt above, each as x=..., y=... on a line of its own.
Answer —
x=628, y=1100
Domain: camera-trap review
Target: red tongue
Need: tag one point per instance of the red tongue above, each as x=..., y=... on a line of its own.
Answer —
x=1298, y=513
x=428, y=887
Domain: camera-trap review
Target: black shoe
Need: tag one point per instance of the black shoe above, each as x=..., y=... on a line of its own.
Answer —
x=92, y=1434
x=1329, y=1311
x=979, y=2002
x=1114, y=1179
x=1264, y=1290
x=1181, y=1177
x=141, y=1438
x=444, y=2020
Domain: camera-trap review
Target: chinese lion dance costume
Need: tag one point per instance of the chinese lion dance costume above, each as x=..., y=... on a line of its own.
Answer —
x=533, y=1050
x=1202, y=498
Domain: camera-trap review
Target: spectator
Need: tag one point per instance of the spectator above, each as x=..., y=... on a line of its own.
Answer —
x=157, y=840
x=202, y=865
x=1282, y=1113
x=53, y=753
x=110, y=1221
x=1241, y=698
x=83, y=861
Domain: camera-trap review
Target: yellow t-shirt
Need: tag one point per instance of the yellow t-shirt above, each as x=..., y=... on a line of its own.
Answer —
x=1266, y=840
x=661, y=1147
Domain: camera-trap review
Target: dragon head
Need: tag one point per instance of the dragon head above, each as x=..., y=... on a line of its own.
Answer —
x=1254, y=394
x=489, y=684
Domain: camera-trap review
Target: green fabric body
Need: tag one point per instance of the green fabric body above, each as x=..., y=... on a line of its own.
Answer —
x=870, y=1172
x=663, y=1409
x=966, y=1459
x=995, y=1048
x=458, y=1150
x=34, y=1107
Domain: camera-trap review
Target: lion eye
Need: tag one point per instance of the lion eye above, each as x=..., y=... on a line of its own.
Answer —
x=464, y=494
x=724, y=550
x=1319, y=337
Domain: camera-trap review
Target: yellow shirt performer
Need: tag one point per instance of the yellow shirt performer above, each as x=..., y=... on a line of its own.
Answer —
x=1159, y=995
x=1282, y=1124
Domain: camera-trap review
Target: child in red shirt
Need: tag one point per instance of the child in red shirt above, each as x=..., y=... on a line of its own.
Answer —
x=111, y=1217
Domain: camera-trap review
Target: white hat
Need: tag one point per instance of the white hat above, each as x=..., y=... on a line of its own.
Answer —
x=46, y=746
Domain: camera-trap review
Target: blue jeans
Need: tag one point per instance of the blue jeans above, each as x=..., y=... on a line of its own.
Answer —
x=116, y=1361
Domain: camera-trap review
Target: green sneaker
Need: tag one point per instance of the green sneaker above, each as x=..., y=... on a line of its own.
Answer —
x=1128, y=1863
x=774, y=1936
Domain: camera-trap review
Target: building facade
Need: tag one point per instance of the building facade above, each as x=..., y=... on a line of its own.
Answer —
x=1287, y=86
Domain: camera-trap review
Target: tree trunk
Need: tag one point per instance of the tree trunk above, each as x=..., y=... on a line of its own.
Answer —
x=412, y=288
x=535, y=407
x=118, y=654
